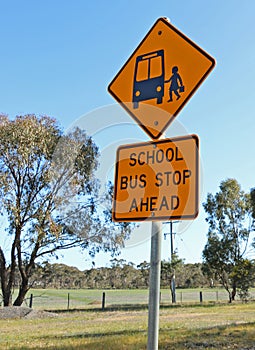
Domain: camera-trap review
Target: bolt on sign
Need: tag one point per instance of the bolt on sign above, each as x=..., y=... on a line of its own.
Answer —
x=164, y=71
x=157, y=180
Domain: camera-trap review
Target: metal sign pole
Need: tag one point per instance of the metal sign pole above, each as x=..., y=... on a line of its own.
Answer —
x=172, y=254
x=154, y=293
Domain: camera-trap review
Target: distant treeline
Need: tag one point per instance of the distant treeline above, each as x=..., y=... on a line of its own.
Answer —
x=120, y=275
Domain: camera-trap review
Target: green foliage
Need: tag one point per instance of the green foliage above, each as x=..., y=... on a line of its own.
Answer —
x=169, y=268
x=229, y=216
x=252, y=194
x=49, y=195
x=120, y=275
x=244, y=275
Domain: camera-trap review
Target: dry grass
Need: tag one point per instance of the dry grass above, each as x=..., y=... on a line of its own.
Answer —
x=189, y=327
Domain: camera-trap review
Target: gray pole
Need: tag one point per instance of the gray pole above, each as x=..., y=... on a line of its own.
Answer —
x=154, y=294
x=171, y=240
x=172, y=253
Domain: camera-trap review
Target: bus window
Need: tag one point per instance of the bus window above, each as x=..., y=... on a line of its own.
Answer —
x=155, y=67
x=142, y=70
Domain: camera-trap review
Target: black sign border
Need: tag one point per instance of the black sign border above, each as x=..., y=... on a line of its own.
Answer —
x=158, y=218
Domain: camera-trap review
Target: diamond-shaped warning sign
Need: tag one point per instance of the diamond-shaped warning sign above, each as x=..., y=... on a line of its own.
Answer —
x=164, y=72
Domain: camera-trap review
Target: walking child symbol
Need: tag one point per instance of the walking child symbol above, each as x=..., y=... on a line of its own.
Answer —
x=175, y=84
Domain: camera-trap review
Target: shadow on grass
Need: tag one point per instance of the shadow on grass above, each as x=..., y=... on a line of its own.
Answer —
x=137, y=307
x=92, y=345
x=229, y=336
x=126, y=307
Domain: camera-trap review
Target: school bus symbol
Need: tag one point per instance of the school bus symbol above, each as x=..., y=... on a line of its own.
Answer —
x=149, y=77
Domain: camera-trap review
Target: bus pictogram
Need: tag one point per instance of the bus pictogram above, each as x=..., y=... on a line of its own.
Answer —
x=149, y=77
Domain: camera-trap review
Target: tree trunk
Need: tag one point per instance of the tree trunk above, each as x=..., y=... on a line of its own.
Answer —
x=24, y=273
x=23, y=289
x=172, y=288
x=230, y=297
x=6, y=292
x=5, y=287
x=233, y=294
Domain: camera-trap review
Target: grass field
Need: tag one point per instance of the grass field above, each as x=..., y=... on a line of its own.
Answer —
x=201, y=326
x=81, y=298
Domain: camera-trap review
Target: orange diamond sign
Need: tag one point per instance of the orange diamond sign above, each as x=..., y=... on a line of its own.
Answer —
x=160, y=77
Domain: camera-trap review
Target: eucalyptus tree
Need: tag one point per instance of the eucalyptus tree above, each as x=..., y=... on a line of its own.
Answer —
x=49, y=197
x=229, y=216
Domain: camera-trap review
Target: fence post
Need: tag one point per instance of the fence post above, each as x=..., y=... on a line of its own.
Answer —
x=68, y=300
x=103, y=301
x=201, y=297
x=181, y=297
x=217, y=295
x=31, y=301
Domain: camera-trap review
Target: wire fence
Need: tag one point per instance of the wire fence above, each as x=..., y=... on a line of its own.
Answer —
x=52, y=299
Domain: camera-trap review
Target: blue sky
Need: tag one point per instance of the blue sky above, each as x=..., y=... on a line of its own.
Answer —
x=58, y=57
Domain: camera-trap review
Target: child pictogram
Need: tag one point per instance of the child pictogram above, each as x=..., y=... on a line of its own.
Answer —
x=176, y=84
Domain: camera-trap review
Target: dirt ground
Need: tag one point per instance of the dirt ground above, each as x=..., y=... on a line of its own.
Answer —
x=12, y=312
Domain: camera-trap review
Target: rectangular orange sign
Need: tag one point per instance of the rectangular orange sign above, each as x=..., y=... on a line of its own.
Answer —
x=157, y=180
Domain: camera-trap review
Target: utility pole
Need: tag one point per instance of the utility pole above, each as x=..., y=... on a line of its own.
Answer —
x=171, y=233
